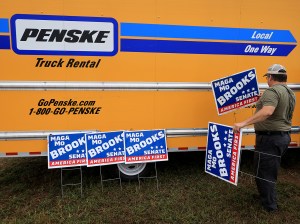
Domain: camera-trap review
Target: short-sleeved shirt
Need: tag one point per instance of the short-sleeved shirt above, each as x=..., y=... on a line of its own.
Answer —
x=283, y=99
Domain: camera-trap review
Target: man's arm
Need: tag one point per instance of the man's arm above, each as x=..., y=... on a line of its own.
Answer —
x=261, y=115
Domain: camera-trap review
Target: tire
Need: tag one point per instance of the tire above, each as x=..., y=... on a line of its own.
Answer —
x=132, y=171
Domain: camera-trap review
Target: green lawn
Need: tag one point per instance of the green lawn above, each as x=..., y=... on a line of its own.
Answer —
x=30, y=193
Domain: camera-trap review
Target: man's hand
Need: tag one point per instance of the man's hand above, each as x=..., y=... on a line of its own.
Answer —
x=237, y=127
x=261, y=115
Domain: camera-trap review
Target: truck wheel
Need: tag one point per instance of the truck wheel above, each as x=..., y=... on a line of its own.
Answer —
x=131, y=171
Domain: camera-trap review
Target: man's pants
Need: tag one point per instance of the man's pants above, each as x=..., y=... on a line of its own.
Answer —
x=268, y=152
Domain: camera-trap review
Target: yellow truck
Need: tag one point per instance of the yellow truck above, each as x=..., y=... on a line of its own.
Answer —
x=135, y=65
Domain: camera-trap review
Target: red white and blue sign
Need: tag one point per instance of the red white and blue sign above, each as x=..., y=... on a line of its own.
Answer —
x=236, y=91
x=105, y=148
x=145, y=146
x=66, y=150
x=223, y=152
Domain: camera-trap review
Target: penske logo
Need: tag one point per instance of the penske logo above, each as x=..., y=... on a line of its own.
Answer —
x=64, y=35
x=69, y=36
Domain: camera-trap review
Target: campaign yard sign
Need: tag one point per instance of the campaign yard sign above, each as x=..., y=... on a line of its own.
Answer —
x=223, y=152
x=105, y=148
x=236, y=91
x=66, y=150
x=145, y=146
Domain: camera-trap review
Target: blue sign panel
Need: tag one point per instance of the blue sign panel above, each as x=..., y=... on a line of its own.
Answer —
x=105, y=148
x=66, y=150
x=145, y=146
x=223, y=152
x=236, y=91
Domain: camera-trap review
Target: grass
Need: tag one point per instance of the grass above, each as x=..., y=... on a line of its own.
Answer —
x=30, y=193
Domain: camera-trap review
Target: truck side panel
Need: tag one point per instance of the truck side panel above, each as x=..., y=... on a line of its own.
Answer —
x=109, y=110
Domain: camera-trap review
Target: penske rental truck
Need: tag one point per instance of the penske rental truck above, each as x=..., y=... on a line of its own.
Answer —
x=95, y=65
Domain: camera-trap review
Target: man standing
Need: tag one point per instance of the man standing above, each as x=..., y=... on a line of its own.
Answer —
x=272, y=124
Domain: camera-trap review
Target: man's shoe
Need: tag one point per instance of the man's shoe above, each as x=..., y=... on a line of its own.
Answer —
x=271, y=210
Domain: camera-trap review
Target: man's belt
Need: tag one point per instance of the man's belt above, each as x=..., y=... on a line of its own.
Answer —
x=272, y=132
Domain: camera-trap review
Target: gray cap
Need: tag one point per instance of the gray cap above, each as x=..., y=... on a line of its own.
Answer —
x=276, y=69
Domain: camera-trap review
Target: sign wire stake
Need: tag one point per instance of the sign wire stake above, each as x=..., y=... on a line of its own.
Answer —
x=71, y=184
x=110, y=179
x=256, y=174
x=150, y=177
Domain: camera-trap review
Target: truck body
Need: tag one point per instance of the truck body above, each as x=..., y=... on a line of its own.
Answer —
x=134, y=65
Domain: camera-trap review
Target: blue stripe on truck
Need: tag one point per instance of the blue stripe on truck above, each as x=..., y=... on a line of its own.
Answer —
x=205, y=33
x=192, y=47
x=4, y=42
x=4, y=28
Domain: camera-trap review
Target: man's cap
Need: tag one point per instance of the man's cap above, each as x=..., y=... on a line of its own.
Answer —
x=276, y=69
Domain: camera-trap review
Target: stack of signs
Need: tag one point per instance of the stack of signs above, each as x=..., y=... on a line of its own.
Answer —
x=66, y=150
x=105, y=148
x=236, y=91
x=145, y=146
x=223, y=152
